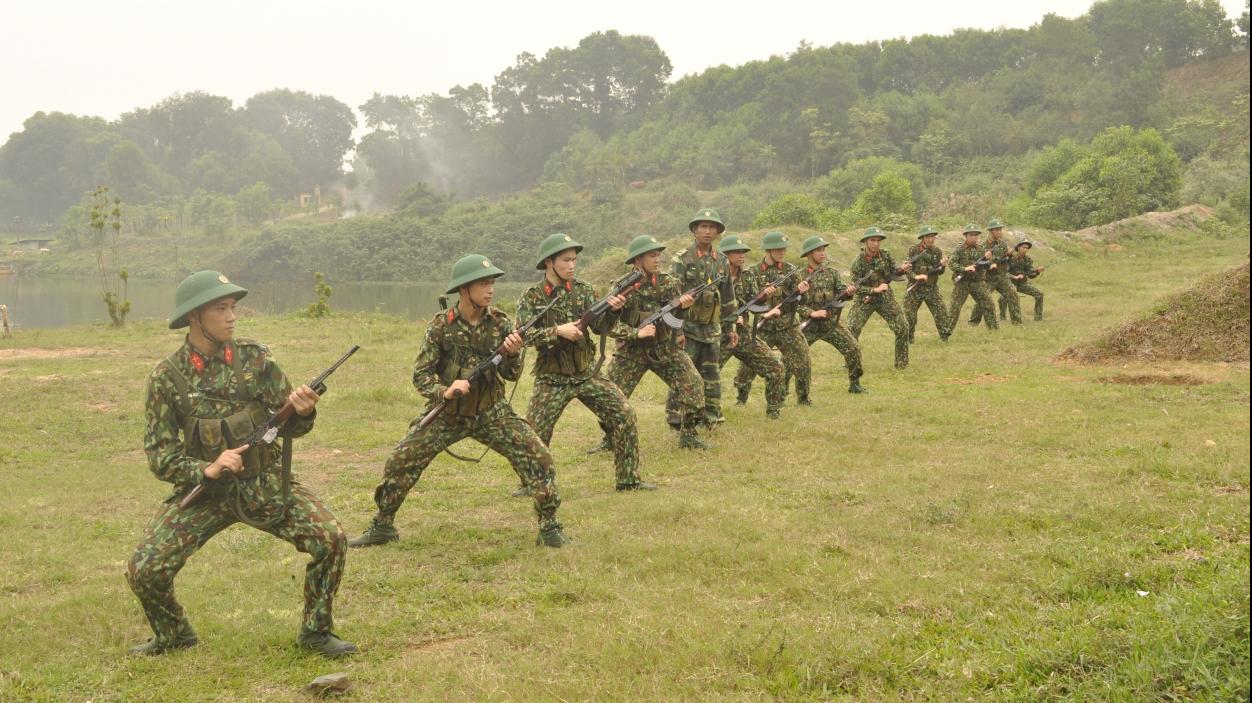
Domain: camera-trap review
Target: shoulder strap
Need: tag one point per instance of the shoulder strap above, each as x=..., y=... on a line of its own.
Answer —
x=236, y=370
x=181, y=385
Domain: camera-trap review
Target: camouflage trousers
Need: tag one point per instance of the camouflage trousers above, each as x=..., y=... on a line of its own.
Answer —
x=929, y=294
x=500, y=429
x=609, y=405
x=674, y=368
x=1026, y=288
x=981, y=295
x=837, y=336
x=1008, y=298
x=795, y=360
x=176, y=533
x=707, y=358
x=889, y=310
x=754, y=354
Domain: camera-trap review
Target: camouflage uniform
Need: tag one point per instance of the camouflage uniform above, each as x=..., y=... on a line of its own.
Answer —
x=196, y=408
x=867, y=302
x=567, y=370
x=970, y=283
x=702, y=324
x=753, y=354
x=451, y=349
x=825, y=287
x=1021, y=265
x=660, y=354
x=926, y=292
x=782, y=333
x=998, y=281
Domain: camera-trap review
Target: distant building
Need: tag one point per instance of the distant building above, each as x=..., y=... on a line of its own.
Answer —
x=32, y=244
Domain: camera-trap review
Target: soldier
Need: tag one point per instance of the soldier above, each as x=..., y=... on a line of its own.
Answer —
x=778, y=325
x=997, y=250
x=969, y=278
x=566, y=368
x=456, y=341
x=702, y=331
x=924, y=283
x=654, y=347
x=816, y=308
x=213, y=389
x=875, y=296
x=1021, y=270
x=752, y=353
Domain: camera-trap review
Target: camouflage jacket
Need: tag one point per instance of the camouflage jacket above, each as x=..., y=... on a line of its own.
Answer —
x=882, y=268
x=450, y=351
x=963, y=256
x=702, y=321
x=655, y=292
x=824, y=287
x=239, y=375
x=1000, y=250
x=766, y=272
x=560, y=359
x=1020, y=265
x=925, y=264
x=746, y=284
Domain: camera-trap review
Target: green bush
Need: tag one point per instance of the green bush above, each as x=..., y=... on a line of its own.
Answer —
x=792, y=209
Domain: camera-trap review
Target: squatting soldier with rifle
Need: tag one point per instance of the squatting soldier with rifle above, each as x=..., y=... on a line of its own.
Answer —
x=777, y=324
x=928, y=265
x=873, y=271
x=567, y=366
x=969, y=271
x=1021, y=271
x=701, y=337
x=751, y=352
x=202, y=400
x=998, y=252
x=647, y=334
x=466, y=357
x=819, y=308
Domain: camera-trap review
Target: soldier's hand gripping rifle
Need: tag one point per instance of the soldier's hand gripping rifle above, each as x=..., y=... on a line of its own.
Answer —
x=983, y=263
x=755, y=305
x=485, y=366
x=760, y=319
x=601, y=306
x=1034, y=273
x=268, y=432
x=666, y=313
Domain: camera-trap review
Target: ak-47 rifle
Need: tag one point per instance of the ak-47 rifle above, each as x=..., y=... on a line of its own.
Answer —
x=983, y=263
x=754, y=305
x=268, y=432
x=931, y=275
x=1034, y=273
x=789, y=299
x=666, y=313
x=484, y=366
x=601, y=306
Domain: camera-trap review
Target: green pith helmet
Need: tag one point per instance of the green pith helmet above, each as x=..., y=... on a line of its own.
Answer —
x=926, y=231
x=775, y=240
x=971, y=227
x=995, y=224
x=732, y=243
x=468, y=269
x=555, y=244
x=814, y=242
x=642, y=245
x=1024, y=242
x=873, y=233
x=201, y=288
x=707, y=214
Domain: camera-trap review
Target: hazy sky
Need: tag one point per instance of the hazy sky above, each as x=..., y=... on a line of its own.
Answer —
x=107, y=57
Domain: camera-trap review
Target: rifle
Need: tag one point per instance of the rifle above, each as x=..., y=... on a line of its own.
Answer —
x=789, y=299
x=980, y=264
x=931, y=276
x=601, y=306
x=666, y=314
x=754, y=304
x=268, y=432
x=1035, y=272
x=894, y=276
x=484, y=366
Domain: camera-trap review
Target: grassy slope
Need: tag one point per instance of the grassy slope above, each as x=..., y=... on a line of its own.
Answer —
x=978, y=527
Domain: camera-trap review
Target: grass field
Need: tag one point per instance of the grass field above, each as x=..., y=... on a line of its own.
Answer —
x=987, y=525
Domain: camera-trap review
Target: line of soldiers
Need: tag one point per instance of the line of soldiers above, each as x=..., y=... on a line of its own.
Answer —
x=681, y=325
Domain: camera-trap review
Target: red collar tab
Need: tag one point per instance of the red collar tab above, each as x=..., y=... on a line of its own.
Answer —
x=197, y=361
x=548, y=288
x=451, y=315
x=812, y=268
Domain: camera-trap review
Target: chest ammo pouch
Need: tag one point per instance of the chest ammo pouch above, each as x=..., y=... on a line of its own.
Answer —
x=456, y=362
x=705, y=309
x=209, y=431
x=565, y=357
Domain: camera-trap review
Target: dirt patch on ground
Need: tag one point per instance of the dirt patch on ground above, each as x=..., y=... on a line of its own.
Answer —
x=1174, y=379
x=1208, y=322
x=437, y=645
x=1190, y=217
x=49, y=378
x=1232, y=489
x=66, y=353
x=980, y=380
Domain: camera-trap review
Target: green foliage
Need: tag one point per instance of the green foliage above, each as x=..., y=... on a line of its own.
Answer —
x=842, y=186
x=1213, y=181
x=791, y=209
x=105, y=222
x=888, y=201
x=1123, y=173
x=322, y=289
